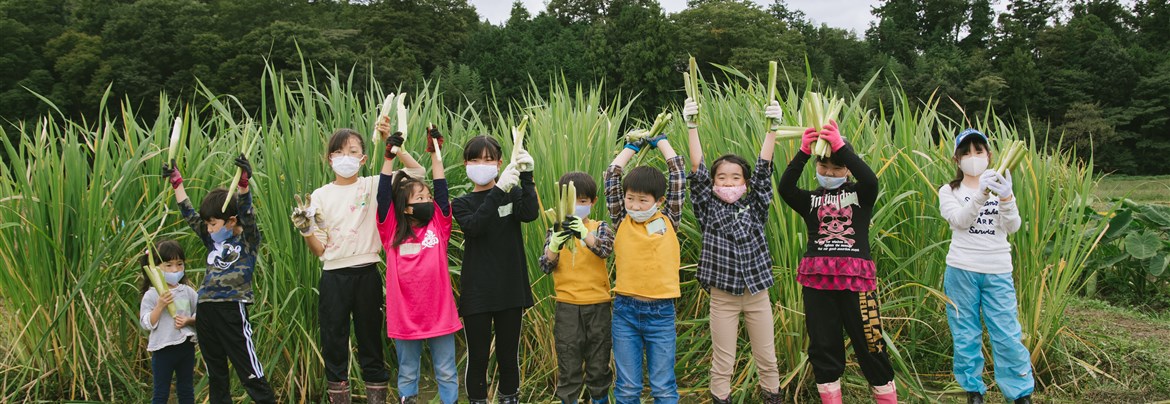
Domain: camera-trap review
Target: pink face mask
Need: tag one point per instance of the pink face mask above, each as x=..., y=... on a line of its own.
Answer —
x=730, y=194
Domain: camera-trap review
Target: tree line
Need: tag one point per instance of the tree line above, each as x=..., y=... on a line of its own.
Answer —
x=1096, y=72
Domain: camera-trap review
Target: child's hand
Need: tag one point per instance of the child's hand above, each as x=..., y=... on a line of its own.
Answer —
x=832, y=135
x=304, y=216
x=182, y=321
x=246, y=169
x=558, y=240
x=165, y=299
x=690, y=111
x=383, y=127
x=171, y=173
x=773, y=112
x=986, y=179
x=395, y=140
x=524, y=161
x=576, y=226
x=433, y=136
x=508, y=179
x=806, y=141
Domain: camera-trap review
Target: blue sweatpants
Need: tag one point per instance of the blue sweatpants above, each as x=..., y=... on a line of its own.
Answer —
x=994, y=297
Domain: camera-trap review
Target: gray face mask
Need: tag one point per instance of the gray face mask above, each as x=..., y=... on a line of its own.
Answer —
x=641, y=216
x=831, y=182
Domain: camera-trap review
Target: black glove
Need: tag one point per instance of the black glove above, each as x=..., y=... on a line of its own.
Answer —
x=246, y=169
x=393, y=141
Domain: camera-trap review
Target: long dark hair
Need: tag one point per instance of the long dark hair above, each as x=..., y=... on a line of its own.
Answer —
x=402, y=187
x=163, y=251
x=961, y=150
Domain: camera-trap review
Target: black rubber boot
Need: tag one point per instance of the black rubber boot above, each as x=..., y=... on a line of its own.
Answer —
x=974, y=398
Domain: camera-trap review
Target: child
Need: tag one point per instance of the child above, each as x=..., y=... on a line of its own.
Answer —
x=420, y=305
x=338, y=226
x=978, y=279
x=581, y=279
x=494, y=288
x=232, y=239
x=838, y=276
x=645, y=208
x=734, y=264
x=171, y=344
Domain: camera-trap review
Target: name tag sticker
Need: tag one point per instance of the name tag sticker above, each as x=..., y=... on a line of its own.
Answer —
x=409, y=249
x=657, y=226
x=505, y=210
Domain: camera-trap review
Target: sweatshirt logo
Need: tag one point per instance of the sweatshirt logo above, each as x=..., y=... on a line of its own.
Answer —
x=224, y=257
x=836, y=224
x=430, y=240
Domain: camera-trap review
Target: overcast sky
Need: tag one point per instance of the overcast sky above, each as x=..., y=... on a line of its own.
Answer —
x=849, y=14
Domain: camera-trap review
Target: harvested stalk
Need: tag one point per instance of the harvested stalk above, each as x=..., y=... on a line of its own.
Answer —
x=691, y=83
x=563, y=207
x=518, y=136
x=385, y=111
x=402, y=117
x=154, y=274
x=246, y=147
x=772, y=67
x=176, y=132
x=1012, y=157
x=818, y=111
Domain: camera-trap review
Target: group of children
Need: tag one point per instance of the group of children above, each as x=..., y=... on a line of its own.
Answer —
x=631, y=324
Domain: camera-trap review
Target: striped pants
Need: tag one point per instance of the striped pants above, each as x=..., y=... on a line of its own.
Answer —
x=226, y=335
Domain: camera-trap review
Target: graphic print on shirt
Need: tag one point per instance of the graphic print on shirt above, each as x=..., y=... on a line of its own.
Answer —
x=225, y=256
x=836, y=216
x=430, y=240
x=988, y=214
x=363, y=197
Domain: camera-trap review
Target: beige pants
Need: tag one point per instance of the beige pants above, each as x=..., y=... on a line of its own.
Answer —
x=724, y=315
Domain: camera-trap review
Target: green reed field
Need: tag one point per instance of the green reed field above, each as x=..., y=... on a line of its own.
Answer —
x=76, y=194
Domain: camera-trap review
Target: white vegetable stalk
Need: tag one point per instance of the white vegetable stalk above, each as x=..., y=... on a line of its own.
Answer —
x=385, y=111
x=1012, y=157
x=402, y=116
x=176, y=132
x=246, y=145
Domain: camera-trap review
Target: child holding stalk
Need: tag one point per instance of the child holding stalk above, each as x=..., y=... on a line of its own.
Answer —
x=494, y=287
x=978, y=279
x=645, y=208
x=415, y=229
x=232, y=238
x=735, y=266
x=584, y=308
x=837, y=275
x=172, y=339
x=338, y=225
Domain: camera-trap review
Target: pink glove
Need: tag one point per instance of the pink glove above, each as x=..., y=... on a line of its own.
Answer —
x=806, y=141
x=832, y=135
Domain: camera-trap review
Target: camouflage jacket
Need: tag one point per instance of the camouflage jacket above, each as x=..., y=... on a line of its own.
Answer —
x=231, y=264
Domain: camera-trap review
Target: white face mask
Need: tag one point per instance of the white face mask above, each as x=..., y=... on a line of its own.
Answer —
x=831, y=182
x=642, y=215
x=346, y=166
x=973, y=166
x=173, y=278
x=582, y=211
x=482, y=174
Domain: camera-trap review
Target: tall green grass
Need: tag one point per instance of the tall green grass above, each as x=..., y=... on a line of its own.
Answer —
x=76, y=192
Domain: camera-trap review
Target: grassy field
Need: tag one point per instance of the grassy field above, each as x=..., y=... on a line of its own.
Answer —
x=1141, y=189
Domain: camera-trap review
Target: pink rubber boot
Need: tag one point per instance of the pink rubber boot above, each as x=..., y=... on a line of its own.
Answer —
x=887, y=394
x=830, y=392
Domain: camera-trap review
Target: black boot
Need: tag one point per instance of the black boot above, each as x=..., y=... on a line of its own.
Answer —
x=772, y=398
x=1024, y=400
x=716, y=400
x=480, y=401
x=409, y=400
x=974, y=398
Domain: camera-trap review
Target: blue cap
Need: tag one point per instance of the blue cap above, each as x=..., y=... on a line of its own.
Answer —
x=966, y=133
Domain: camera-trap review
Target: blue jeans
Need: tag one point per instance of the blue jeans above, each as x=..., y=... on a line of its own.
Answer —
x=443, y=357
x=179, y=361
x=993, y=296
x=644, y=328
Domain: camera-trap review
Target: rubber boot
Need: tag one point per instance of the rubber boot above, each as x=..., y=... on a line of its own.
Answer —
x=409, y=400
x=513, y=398
x=830, y=392
x=376, y=393
x=887, y=394
x=339, y=392
x=716, y=400
x=479, y=401
x=1024, y=400
x=974, y=398
x=772, y=398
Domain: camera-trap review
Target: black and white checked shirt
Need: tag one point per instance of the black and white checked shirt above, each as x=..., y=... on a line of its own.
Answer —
x=734, y=256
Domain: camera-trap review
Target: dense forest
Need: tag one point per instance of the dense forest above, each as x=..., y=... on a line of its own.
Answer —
x=1095, y=73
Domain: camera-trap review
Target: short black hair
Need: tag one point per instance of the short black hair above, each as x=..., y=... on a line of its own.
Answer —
x=647, y=180
x=835, y=158
x=584, y=183
x=163, y=251
x=212, y=205
x=733, y=159
x=340, y=137
x=480, y=145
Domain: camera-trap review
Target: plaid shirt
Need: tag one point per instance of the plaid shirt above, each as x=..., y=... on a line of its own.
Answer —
x=615, y=195
x=602, y=248
x=734, y=255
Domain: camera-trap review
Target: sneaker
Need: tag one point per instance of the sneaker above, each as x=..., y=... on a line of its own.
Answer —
x=974, y=398
x=1024, y=400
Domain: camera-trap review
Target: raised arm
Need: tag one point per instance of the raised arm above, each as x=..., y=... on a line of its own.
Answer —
x=690, y=110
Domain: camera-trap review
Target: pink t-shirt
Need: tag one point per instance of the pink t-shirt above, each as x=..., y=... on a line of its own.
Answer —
x=420, y=303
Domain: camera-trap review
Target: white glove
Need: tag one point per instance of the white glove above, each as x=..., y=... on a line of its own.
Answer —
x=690, y=111
x=774, y=113
x=986, y=179
x=524, y=161
x=508, y=179
x=1001, y=186
x=305, y=216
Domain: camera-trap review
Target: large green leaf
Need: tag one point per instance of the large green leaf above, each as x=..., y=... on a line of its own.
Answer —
x=1119, y=223
x=1157, y=214
x=1143, y=245
x=1156, y=266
